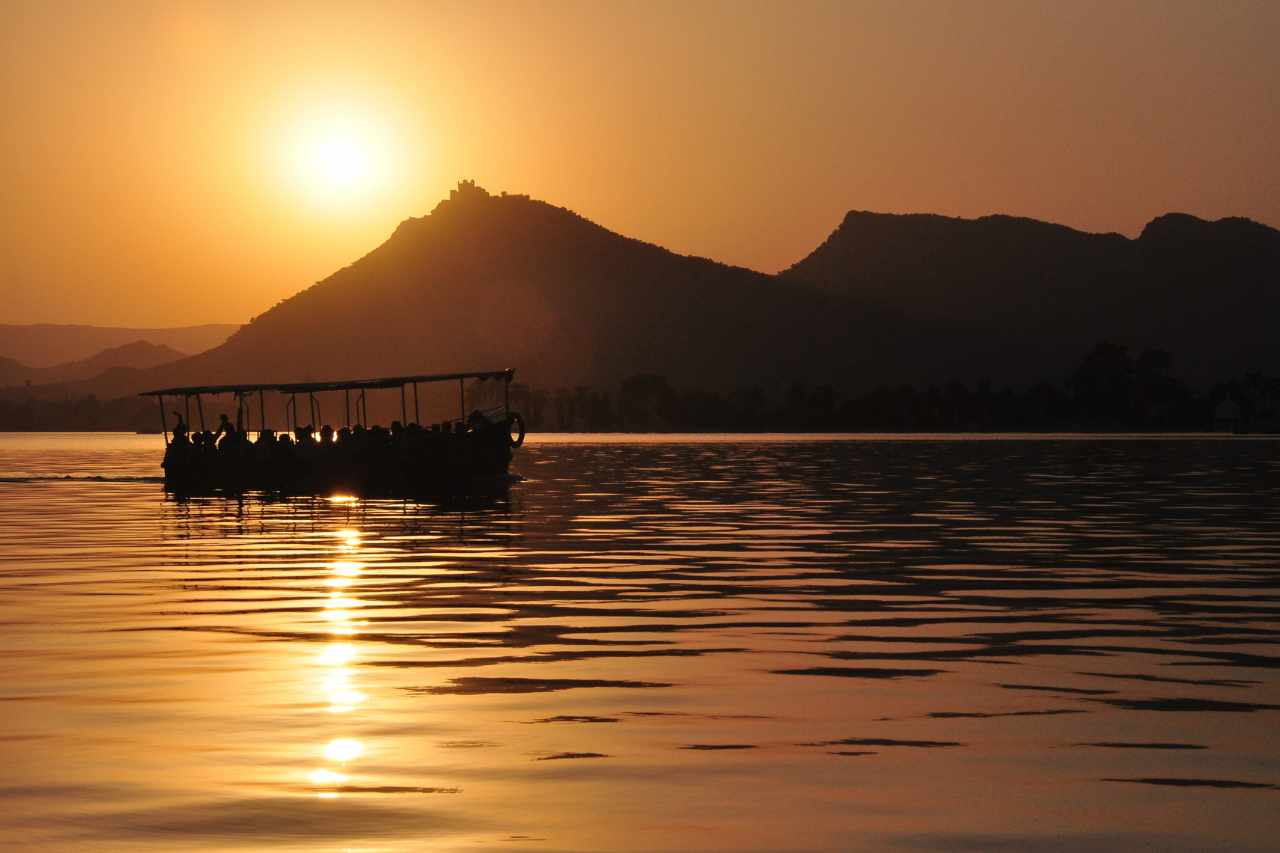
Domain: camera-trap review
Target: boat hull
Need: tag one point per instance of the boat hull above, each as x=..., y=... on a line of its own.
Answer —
x=425, y=463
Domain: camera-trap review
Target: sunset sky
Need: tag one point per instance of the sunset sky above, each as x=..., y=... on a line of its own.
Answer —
x=184, y=163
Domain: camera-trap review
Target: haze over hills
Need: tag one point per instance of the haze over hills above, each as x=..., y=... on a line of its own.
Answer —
x=49, y=344
x=486, y=281
x=139, y=354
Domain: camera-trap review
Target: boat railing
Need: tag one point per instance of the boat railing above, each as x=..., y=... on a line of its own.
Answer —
x=354, y=392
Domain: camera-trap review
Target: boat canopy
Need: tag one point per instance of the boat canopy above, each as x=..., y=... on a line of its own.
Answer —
x=343, y=385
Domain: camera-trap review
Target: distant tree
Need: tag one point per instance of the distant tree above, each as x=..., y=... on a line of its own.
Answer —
x=748, y=410
x=1153, y=362
x=822, y=407
x=1103, y=383
x=1158, y=397
x=645, y=402
x=563, y=404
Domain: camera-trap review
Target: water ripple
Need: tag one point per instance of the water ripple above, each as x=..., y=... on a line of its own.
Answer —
x=995, y=629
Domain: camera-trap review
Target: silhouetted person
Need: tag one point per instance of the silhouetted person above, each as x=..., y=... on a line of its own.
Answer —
x=225, y=427
x=177, y=455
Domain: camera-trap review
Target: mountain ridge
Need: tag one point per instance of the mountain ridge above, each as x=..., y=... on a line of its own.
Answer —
x=1001, y=287
x=561, y=285
x=501, y=280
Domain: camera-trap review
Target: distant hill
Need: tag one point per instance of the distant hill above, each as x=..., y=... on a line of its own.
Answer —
x=13, y=372
x=46, y=345
x=485, y=281
x=138, y=355
x=1018, y=300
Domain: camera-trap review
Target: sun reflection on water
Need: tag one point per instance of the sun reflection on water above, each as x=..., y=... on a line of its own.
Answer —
x=337, y=654
x=337, y=683
x=343, y=697
x=325, y=776
x=343, y=749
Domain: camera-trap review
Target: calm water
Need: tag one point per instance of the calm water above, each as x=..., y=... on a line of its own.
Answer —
x=832, y=645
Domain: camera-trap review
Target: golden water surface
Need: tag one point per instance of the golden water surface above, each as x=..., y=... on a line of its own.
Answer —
x=746, y=644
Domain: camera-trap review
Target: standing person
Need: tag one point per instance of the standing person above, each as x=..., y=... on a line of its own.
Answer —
x=225, y=427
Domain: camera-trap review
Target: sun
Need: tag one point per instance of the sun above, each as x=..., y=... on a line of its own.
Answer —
x=339, y=159
x=339, y=162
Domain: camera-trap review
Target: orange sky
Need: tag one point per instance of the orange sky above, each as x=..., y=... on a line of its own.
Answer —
x=156, y=159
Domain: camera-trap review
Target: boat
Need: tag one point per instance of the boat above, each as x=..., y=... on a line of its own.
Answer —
x=467, y=454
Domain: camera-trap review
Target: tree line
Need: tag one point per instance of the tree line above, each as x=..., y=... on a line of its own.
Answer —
x=1111, y=389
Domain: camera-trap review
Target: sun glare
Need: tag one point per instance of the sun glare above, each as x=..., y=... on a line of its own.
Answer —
x=339, y=162
x=339, y=159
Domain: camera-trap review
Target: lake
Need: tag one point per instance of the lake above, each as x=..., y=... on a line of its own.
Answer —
x=656, y=643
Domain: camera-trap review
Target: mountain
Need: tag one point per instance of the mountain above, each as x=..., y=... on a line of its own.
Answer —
x=46, y=345
x=1017, y=299
x=136, y=355
x=489, y=281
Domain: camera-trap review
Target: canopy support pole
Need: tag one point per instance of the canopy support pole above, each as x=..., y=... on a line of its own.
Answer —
x=346, y=407
x=262, y=413
x=200, y=409
x=164, y=423
x=506, y=397
x=417, y=417
x=462, y=402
